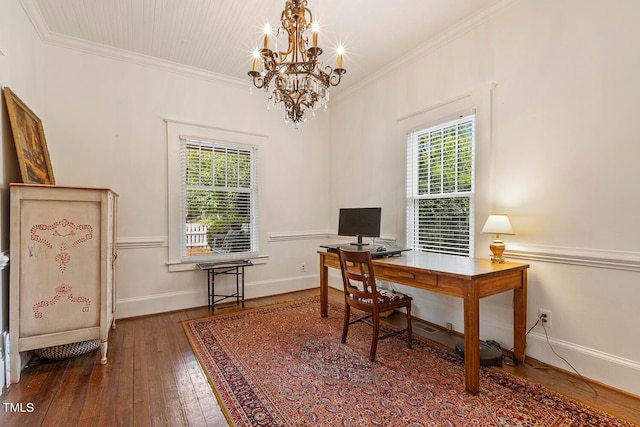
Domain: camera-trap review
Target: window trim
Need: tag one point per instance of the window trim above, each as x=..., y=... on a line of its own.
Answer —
x=176, y=131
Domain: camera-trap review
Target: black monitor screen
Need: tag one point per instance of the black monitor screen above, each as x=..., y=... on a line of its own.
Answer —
x=361, y=222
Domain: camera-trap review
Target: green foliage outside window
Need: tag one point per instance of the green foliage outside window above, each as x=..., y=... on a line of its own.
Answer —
x=218, y=194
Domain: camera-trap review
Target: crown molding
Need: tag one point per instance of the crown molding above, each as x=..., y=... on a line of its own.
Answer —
x=37, y=20
x=430, y=46
x=54, y=39
x=84, y=46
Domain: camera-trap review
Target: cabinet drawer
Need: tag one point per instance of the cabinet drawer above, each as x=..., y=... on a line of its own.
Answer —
x=420, y=279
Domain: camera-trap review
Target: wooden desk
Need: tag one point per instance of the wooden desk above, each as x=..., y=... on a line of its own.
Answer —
x=467, y=278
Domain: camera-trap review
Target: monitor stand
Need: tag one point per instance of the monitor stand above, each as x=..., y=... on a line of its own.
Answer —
x=359, y=242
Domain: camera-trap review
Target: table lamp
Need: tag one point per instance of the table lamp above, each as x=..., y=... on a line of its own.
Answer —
x=497, y=224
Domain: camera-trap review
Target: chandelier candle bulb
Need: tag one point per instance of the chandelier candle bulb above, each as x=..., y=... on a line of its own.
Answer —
x=314, y=29
x=256, y=57
x=340, y=52
x=267, y=31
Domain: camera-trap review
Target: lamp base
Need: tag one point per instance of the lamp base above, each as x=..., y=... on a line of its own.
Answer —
x=497, y=249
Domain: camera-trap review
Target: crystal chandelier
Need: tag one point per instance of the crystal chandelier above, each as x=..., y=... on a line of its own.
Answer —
x=295, y=78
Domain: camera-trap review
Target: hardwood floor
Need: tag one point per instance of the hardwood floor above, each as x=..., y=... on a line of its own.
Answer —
x=153, y=378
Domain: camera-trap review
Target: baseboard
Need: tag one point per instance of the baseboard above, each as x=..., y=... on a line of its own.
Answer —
x=171, y=301
x=265, y=288
x=159, y=303
x=597, y=367
x=602, y=367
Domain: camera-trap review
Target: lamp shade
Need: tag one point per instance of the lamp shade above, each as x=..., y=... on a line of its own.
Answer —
x=497, y=224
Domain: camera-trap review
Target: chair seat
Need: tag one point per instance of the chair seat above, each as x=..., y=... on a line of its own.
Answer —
x=387, y=295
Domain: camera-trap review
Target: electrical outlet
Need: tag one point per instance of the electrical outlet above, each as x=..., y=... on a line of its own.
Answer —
x=303, y=267
x=547, y=314
x=449, y=327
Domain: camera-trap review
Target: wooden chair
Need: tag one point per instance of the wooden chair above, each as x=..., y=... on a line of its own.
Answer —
x=361, y=292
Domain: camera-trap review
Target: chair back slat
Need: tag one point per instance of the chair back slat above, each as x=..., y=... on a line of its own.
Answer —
x=358, y=276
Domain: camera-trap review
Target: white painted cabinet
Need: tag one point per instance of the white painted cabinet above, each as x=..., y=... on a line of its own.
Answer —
x=62, y=263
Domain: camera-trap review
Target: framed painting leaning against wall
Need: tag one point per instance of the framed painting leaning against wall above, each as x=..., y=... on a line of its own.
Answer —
x=31, y=146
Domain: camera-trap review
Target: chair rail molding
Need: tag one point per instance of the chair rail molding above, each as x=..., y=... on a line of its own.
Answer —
x=142, y=242
x=587, y=257
x=285, y=236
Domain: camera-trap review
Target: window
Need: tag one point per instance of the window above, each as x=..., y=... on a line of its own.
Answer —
x=440, y=188
x=219, y=194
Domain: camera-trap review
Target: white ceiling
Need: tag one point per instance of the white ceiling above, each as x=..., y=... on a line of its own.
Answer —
x=218, y=36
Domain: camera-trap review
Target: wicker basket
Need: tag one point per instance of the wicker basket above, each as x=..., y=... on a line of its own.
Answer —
x=65, y=351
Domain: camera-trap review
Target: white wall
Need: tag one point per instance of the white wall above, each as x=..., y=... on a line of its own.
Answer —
x=106, y=128
x=555, y=88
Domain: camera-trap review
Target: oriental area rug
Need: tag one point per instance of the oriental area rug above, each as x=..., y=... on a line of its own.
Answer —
x=284, y=365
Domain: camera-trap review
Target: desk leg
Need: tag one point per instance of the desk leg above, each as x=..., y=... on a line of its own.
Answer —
x=210, y=288
x=520, y=319
x=238, y=269
x=242, y=286
x=472, y=338
x=324, y=287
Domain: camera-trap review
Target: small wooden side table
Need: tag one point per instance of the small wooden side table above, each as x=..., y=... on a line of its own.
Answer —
x=234, y=268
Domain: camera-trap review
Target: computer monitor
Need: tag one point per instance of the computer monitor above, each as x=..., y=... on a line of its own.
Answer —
x=359, y=222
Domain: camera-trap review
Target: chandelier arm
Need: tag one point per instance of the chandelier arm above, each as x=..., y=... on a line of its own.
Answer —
x=307, y=11
x=258, y=81
x=286, y=25
x=269, y=58
x=335, y=79
x=267, y=79
x=301, y=41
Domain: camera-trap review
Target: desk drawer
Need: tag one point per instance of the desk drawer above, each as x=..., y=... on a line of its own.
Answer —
x=331, y=261
x=418, y=279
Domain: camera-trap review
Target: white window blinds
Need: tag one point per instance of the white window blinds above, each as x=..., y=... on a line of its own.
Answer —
x=219, y=199
x=440, y=187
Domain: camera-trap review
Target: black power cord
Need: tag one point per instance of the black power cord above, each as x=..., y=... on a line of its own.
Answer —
x=542, y=322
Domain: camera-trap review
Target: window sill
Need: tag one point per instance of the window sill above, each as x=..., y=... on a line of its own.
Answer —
x=192, y=264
